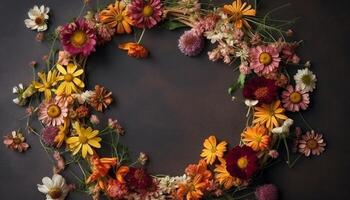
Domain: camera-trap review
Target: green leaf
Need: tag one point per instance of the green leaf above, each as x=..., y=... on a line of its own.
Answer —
x=172, y=25
x=238, y=84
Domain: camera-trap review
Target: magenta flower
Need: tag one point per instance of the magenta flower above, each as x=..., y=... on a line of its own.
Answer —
x=190, y=43
x=311, y=143
x=295, y=99
x=48, y=135
x=264, y=59
x=266, y=192
x=78, y=37
x=145, y=14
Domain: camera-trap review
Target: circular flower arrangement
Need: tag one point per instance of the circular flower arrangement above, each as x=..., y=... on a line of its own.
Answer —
x=257, y=45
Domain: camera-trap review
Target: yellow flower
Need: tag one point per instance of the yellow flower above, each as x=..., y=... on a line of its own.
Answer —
x=47, y=83
x=269, y=115
x=224, y=177
x=116, y=16
x=69, y=78
x=237, y=11
x=256, y=137
x=211, y=150
x=84, y=140
x=63, y=130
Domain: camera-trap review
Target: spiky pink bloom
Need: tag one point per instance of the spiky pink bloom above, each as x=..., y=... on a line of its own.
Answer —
x=78, y=37
x=145, y=14
x=207, y=23
x=190, y=43
x=295, y=99
x=264, y=59
x=266, y=192
x=53, y=112
x=311, y=143
x=48, y=135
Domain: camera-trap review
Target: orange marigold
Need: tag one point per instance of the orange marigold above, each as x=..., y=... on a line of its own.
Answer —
x=256, y=137
x=116, y=16
x=134, y=49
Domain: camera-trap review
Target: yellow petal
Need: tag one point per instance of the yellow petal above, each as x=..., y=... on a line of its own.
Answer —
x=94, y=143
x=61, y=69
x=79, y=83
x=72, y=140
x=78, y=72
x=71, y=68
x=84, y=150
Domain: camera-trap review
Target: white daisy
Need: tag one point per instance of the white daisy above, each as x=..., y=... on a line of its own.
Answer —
x=305, y=80
x=37, y=18
x=55, y=188
x=284, y=129
x=84, y=97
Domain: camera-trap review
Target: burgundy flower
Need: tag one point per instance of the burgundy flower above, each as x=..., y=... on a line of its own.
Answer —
x=266, y=192
x=145, y=14
x=78, y=37
x=138, y=179
x=262, y=89
x=48, y=135
x=242, y=162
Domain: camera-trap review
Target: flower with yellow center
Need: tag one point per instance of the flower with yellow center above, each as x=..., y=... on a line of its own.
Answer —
x=265, y=58
x=237, y=11
x=47, y=83
x=192, y=190
x=116, y=16
x=69, y=77
x=211, y=150
x=270, y=116
x=295, y=97
x=224, y=177
x=84, y=140
x=78, y=38
x=256, y=137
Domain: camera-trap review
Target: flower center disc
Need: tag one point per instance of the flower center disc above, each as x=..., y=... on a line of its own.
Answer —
x=119, y=18
x=83, y=139
x=306, y=79
x=295, y=97
x=265, y=58
x=17, y=140
x=312, y=144
x=147, y=11
x=55, y=193
x=68, y=77
x=261, y=92
x=242, y=162
x=53, y=111
x=39, y=20
x=78, y=38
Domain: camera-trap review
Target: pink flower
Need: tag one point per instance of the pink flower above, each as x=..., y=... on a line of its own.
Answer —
x=16, y=142
x=214, y=55
x=53, y=112
x=78, y=37
x=63, y=58
x=266, y=192
x=48, y=135
x=311, y=143
x=295, y=99
x=115, y=126
x=264, y=59
x=208, y=23
x=104, y=34
x=60, y=164
x=191, y=44
x=94, y=120
x=145, y=14
x=288, y=53
x=244, y=68
x=273, y=153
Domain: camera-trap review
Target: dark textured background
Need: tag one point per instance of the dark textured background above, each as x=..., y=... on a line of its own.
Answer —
x=169, y=103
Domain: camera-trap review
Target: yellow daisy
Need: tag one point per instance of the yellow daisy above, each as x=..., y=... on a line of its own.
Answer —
x=269, y=115
x=84, y=140
x=47, y=83
x=237, y=11
x=212, y=150
x=69, y=77
x=224, y=177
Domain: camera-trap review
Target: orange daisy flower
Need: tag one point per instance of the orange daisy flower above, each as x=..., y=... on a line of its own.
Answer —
x=256, y=137
x=237, y=11
x=116, y=16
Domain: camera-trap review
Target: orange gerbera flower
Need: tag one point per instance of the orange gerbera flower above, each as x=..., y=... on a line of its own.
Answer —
x=116, y=16
x=134, y=49
x=270, y=115
x=100, y=167
x=256, y=137
x=199, y=169
x=192, y=190
x=212, y=150
x=237, y=11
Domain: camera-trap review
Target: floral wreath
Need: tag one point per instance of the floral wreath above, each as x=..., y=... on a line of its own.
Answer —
x=258, y=45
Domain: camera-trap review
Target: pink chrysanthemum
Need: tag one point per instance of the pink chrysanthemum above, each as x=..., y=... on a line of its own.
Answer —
x=208, y=23
x=311, y=143
x=295, y=99
x=78, y=37
x=266, y=192
x=104, y=34
x=264, y=59
x=145, y=14
x=53, y=112
x=48, y=135
x=191, y=44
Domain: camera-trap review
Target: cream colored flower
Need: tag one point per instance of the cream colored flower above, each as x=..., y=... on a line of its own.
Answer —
x=55, y=188
x=37, y=18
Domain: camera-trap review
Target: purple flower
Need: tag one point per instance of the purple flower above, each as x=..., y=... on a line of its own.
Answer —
x=266, y=192
x=78, y=37
x=190, y=43
x=145, y=14
x=48, y=135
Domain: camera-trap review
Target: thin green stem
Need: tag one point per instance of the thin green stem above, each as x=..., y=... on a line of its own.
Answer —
x=304, y=120
x=287, y=149
x=141, y=36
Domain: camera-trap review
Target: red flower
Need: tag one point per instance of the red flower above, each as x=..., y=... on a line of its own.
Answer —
x=261, y=89
x=242, y=162
x=138, y=179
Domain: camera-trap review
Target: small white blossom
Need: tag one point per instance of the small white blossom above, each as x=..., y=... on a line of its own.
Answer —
x=37, y=18
x=285, y=128
x=55, y=188
x=305, y=79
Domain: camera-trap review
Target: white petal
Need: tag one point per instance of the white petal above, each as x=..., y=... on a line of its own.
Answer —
x=57, y=180
x=15, y=90
x=47, y=182
x=43, y=189
x=21, y=86
x=16, y=101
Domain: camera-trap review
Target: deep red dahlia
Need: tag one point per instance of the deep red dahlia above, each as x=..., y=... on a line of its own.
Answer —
x=262, y=89
x=138, y=179
x=242, y=162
